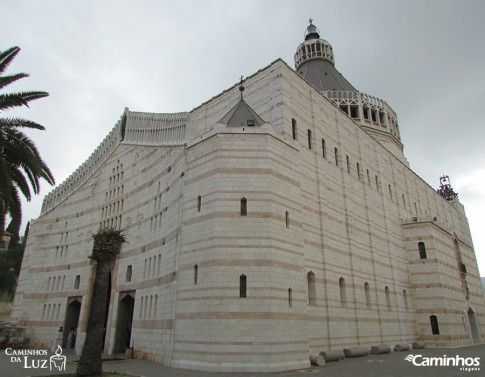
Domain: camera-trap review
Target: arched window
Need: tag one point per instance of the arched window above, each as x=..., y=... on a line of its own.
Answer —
x=388, y=297
x=343, y=292
x=422, y=250
x=244, y=207
x=242, y=285
x=368, y=302
x=312, y=289
x=196, y=273
x=290, y=297
x=435, y=329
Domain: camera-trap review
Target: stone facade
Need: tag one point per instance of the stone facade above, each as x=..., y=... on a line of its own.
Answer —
x=250, y=248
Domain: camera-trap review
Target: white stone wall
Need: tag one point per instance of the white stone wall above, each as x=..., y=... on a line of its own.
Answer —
x=346, y=226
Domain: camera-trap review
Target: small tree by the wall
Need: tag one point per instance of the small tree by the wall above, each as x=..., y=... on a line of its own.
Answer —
x=107, y=246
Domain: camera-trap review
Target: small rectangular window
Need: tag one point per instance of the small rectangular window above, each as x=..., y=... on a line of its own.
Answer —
x=129, y=271
x=422, y=250
x=435, y=329
x=293, y=128
x=242, y=286
x=244, y=207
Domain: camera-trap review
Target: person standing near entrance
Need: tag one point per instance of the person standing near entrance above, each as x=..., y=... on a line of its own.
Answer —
x=71, y=338
x=57, y=341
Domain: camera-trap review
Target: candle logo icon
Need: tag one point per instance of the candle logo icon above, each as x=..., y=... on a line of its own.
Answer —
x=58, y=360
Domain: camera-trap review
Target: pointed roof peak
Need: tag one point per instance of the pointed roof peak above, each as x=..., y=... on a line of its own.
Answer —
x=242, y=115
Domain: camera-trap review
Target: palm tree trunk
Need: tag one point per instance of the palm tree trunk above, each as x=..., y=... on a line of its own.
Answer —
x=90, y=361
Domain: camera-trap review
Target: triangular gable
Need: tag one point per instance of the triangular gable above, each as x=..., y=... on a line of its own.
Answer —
x=242, y=115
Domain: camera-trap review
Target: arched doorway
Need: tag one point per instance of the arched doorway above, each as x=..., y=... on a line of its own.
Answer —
x=472, y=320
x=73, y=312
x=126, y=306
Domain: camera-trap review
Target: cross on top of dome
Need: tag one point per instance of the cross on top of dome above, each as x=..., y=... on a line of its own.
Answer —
x=311, y=31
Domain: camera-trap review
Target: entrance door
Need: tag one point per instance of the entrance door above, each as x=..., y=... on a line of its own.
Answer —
x=72, y=320
x=472, y=319
x=125, y=319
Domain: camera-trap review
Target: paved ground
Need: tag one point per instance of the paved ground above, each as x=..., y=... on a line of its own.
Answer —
x=386, y=365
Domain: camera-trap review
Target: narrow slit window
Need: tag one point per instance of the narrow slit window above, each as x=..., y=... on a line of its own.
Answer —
x=199, y=203
x=324, y=149
x=293, y=128
x=242, y=286
x=287, y=219
x=312, y=290
x=77, y=281
x=405, y=299
x=290, y=297
x=422, y=250
x=368, y=302
x=196, y=274
x=309, y=138
x=336, y=155
x=435, y=329
x=244, y=207
x=388, y=297
x=129, y=271
x=348, y=163
x=343, y=292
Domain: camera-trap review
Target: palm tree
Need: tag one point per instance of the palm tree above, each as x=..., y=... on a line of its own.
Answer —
x=106, y=247
x=21, y=166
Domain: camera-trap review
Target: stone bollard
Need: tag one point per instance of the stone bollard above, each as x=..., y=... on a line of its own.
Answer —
x=401, y=347
x=334, y=355
x=316, y=359
x=356, y=351
x=380, y=349
x=418, y=345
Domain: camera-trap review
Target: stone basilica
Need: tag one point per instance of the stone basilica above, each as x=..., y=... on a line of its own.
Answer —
x=278, y=219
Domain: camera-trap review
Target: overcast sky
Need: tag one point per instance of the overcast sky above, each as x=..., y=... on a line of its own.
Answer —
x=425, y=58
